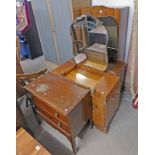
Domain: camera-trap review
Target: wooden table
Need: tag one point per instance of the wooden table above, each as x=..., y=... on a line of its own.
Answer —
x=64, y=104
x=27, y=145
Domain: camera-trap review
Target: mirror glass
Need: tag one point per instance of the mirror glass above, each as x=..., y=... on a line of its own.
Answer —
x=112, y=29
x=111, y=26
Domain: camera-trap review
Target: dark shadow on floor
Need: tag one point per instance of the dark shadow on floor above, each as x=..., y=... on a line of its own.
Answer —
x=53, y=145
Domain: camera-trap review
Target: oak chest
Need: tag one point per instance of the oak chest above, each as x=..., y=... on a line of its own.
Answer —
x=62, y=103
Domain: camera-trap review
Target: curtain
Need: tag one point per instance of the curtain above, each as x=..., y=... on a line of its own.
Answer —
x=131, y=80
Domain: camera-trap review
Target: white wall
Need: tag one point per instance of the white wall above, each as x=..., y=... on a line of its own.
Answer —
x=119, y=3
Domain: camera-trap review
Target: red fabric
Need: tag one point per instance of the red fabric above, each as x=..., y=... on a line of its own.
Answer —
x=135, y=102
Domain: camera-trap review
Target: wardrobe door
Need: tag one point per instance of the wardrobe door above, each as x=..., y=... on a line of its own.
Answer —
x=41, y=14
x=62, y=19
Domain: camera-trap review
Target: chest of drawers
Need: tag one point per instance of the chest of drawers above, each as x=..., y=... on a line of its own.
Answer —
x=64, y=104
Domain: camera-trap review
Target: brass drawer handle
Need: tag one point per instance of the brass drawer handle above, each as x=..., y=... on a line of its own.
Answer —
x=59, y=124
x=56, y=114
x=100, y=11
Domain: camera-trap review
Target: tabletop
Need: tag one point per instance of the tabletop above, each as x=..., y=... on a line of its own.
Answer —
x=27, y=145
x=57, y=92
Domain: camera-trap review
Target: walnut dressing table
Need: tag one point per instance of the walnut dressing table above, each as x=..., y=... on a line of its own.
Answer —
x=62, y=103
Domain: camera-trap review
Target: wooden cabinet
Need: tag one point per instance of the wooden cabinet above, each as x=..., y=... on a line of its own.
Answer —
x=106, y=100
x=27, y=145
x=55, y=36
x=65, y=105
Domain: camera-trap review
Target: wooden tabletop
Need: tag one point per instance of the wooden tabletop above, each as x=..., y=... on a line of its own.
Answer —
x=62, y=94
x=27, y=145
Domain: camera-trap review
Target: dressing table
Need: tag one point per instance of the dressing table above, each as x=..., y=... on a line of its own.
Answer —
x=104, y=82
x=75, y=93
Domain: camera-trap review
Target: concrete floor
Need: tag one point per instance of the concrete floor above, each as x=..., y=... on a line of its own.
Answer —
x=122, y=138
x=36, y=64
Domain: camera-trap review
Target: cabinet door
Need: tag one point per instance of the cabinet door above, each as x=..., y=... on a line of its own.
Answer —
x=62, y=19
x=42, y=19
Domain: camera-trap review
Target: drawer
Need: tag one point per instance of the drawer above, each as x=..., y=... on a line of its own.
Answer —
x=54, y=119
x=49, y=110
x=54, y=122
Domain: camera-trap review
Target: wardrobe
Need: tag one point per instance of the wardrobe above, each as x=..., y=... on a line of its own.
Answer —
x=53, y=19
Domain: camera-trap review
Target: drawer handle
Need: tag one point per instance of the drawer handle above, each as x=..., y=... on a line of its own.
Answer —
x=56, y=114
x=59, y=124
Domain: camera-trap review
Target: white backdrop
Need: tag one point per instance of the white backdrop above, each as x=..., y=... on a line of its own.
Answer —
x=119, y=3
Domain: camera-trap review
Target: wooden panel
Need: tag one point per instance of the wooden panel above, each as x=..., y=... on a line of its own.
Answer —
x=77, y=4
x=27, y=145
x=112, y=103
x=101, y=11
x=117, y=67
x=92, y=67
x=64, y=68
x=81, y=114
x=99, y=113
x=84, y=78
x=104, y=108
x=106, y=84
x=98, y=66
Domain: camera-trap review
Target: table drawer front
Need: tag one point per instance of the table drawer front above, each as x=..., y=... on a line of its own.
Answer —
x=50, y=110
x=59, y=123
x=51, y=120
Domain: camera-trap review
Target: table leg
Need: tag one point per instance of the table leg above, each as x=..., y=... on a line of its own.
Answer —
x=73, y=143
